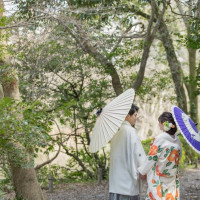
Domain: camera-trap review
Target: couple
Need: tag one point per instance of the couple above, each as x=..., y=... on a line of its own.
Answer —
x=128, y=161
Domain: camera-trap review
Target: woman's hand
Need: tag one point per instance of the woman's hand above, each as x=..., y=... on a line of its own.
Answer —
x=143, y=177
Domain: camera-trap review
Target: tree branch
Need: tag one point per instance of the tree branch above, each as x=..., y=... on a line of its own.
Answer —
x=123, y=35
x=183, y=15
x=148, y=42
x=50, y=160
x=79, y=162
x=89, y=48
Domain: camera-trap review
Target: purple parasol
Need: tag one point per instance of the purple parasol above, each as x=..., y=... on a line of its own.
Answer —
x=187, y=127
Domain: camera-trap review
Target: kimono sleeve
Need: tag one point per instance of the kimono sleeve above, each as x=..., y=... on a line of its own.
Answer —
x=153, y=155
x=135, y=153
x=140, y=155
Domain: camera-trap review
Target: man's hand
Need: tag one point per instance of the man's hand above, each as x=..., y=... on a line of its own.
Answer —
x=143, y=177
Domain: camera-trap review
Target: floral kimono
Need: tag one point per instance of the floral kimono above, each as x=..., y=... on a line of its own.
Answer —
x=161, y=167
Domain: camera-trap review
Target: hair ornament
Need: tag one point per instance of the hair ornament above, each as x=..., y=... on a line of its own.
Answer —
x=168, y=126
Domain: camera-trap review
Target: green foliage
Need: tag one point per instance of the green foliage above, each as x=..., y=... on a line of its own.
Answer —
x=74, y=172
x=192, y=38
x=153, y=85
x=56, y=71
x=53, y=170
x=69, y=173
x=23, y=126
x=6, y=180
x=80, y=87
x=146, y=145
x=3, y=48
x=2, y=194
x=91, y=3
x=189, y=155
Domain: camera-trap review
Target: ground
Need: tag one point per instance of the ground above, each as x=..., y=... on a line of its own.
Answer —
x=189, y=185
x=190, y=189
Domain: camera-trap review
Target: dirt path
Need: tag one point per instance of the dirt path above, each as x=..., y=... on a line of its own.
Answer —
x=189, y=186
x=190, y=189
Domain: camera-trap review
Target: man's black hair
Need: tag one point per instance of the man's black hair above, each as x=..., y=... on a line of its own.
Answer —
x=133, y=109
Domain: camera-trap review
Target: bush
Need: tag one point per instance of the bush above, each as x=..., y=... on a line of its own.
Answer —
x=43, y=174
x=189, y=156
x=60, y=175
x=6, y=180
x=146, y=145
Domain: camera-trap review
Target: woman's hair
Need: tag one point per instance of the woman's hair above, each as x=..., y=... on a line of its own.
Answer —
x=133, y=109
x=167, y=116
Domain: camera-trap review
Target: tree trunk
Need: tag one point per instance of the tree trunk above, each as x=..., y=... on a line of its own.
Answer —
x=1, y=92
x=174, y=65
x=24, y=179
x=150, y=35
x=25, y=183
x=193, y=86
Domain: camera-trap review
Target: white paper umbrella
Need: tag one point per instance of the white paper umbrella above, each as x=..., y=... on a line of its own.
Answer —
x=110, y=119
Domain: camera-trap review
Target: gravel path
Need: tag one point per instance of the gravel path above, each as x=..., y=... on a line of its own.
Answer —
x=190, y=189
x=189, y=185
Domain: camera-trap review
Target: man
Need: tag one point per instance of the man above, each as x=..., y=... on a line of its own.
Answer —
x=127, y=154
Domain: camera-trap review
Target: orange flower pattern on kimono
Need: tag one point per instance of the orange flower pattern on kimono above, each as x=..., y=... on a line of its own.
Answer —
x=177, y=194
x=158, y=173
x=151, y=196
x=159, y=192
x=169, y=196
x=153, y=150
x=161, y=167
x=174, y=155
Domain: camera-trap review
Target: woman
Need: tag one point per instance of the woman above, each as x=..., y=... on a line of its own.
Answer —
x=161, y=165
